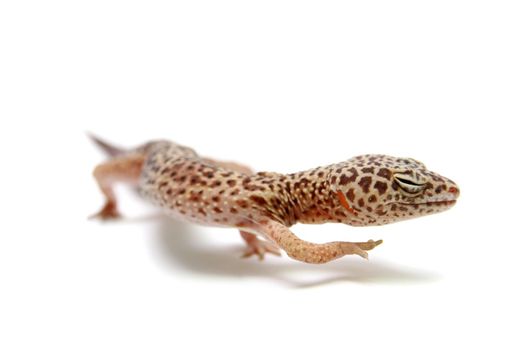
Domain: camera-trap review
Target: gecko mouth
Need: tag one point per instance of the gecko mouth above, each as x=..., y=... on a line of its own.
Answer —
x=449, y=202
x=430, y=203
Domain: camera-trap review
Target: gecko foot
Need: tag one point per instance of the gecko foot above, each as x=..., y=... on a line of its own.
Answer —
x=256, y=246
x=108, y=212
x=360, y=248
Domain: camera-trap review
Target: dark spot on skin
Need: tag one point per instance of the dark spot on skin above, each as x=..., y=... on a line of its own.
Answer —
x=440, y=189
x=194, y=179
x=182, y=191
x=259, y=200
x=384, y=172
x=215, y=198
x=403, y=208
x=340, y=213
x=252, y=187
x=208, y=174
x=380, y=211
x=242, y=203
x=350, y=194
x=381, y=188
x=361, y=202
x=395, y=186
x=217, y=210
x=233, y=210
x=372, y=199
x=394, y=207
x=216, y=183
x=231, y=183
x=320, y=174
x=202, y=211
x=194, y=197
x=162, y=184
x=436, y=178
x=354, y=175
x=169, y=192
x=344, y=180
x=369, y=170
x=365, y=183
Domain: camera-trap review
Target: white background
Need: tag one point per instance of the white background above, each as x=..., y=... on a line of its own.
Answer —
x=283, y=86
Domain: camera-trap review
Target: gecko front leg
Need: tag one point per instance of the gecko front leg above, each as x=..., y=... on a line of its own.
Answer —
x=256, y=246
x=308, y=252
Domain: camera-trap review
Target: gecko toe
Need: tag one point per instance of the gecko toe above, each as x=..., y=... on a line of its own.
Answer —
x=260, y=248
x=109, y=212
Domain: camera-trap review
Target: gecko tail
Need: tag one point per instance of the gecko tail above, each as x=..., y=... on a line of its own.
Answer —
x=109, y=149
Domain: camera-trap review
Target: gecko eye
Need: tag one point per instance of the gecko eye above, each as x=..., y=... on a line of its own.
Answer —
x=408, y=184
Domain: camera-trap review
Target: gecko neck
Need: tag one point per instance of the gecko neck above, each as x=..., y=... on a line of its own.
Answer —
x=303, y=197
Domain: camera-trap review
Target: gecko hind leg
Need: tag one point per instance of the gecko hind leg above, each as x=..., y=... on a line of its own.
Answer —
x=123, y=169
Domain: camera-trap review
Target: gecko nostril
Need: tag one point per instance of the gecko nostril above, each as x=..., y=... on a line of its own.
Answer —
x=453, y=190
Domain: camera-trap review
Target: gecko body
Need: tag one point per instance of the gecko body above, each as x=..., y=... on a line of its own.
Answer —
x=362, y=191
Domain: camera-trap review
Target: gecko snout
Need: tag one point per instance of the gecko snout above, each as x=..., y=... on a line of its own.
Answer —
x=454, y=190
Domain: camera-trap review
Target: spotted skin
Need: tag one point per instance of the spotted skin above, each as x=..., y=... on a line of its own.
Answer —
x=362, y=191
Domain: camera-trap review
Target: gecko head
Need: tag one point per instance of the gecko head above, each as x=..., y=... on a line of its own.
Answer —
x=380, y=189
